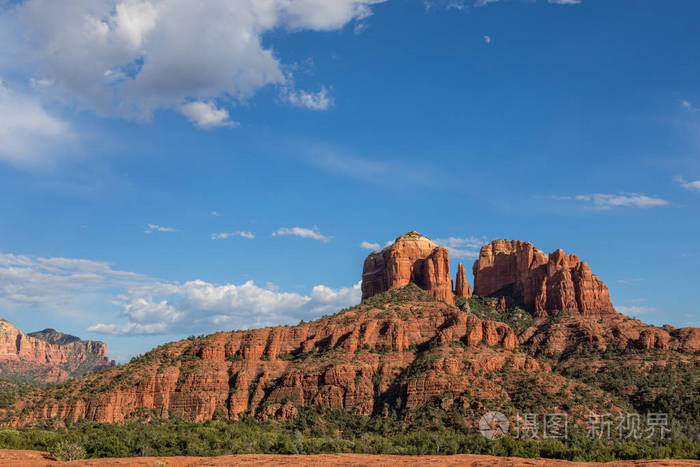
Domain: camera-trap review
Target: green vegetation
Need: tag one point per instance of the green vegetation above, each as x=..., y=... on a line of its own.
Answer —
x=485, y=308
x=671, y=387
x=430, y=430
x=13, y=388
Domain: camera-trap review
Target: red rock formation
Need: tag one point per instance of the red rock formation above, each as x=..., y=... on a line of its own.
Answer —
x=462, y=287
x=411, y=258
x=341, y=361
x=40, y=359
x=543, y=284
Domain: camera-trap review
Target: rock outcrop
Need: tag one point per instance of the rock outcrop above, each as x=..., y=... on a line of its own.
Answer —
x=462, y=287
x=540, y=283
x=411, y=258
x=351, y=361
x=48, y=356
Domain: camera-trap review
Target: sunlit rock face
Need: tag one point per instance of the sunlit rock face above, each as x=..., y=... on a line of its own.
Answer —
x=411, y=258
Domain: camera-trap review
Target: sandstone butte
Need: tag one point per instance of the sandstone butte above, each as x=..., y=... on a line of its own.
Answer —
x=406, y=345
x=48, y=356
x=544, y=284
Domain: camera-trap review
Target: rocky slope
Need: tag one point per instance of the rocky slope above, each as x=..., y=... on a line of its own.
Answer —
x=409, y=344
x=48, y=355
x=543, y=284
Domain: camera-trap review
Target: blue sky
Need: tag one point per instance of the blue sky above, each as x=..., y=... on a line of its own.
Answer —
x=300, y=130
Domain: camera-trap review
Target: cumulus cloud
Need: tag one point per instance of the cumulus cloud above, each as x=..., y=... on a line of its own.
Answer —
x=27, y=130
x=301, y=232
x=88, y=289
x=688, y=185
x=370, y=246
x=206, y=115
x=237, y=233
x=159, y=228
x=310, y=100
x=144, y=55
x=206, y=307
x=462, y=247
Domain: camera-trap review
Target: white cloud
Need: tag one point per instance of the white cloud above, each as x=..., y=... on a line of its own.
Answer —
x=27, y=131
x=487, y=39
x=687, y=105
x=310, y=100
x=301, y=232
x=462, y=248
x=204, y=307
x=693, y=185
x=206, y=115
x=634, y=310
x=602, y=201
x=145, y=55
x=237, y=233
x=370, y=246
x=61, y=285
x=215, y=214
x=81, y=288
x=159, y=228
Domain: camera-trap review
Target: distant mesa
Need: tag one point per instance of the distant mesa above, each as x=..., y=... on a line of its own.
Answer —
x=48, y=356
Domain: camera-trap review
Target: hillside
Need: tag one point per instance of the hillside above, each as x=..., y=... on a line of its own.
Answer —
x=403, y=352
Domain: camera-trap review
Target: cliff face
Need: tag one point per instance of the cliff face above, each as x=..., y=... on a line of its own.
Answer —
x=411, y=258
x=47, y=356
x=353, y=361
x=541, y=283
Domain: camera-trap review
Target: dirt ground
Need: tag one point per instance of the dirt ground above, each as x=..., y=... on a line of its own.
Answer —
x=41, y=459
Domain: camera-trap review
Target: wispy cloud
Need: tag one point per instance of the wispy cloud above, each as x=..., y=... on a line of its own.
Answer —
x=688, y=185
x=310, y=100
x=159, y=228
x=462, y=247
x=215, y=214
x=487, y=39
x=370, y=246
x=301, y=232
x=688, y=105
x=635, y=310
x=602, y=201
x=237, y=233
x=480, y=3
x=629, y=281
